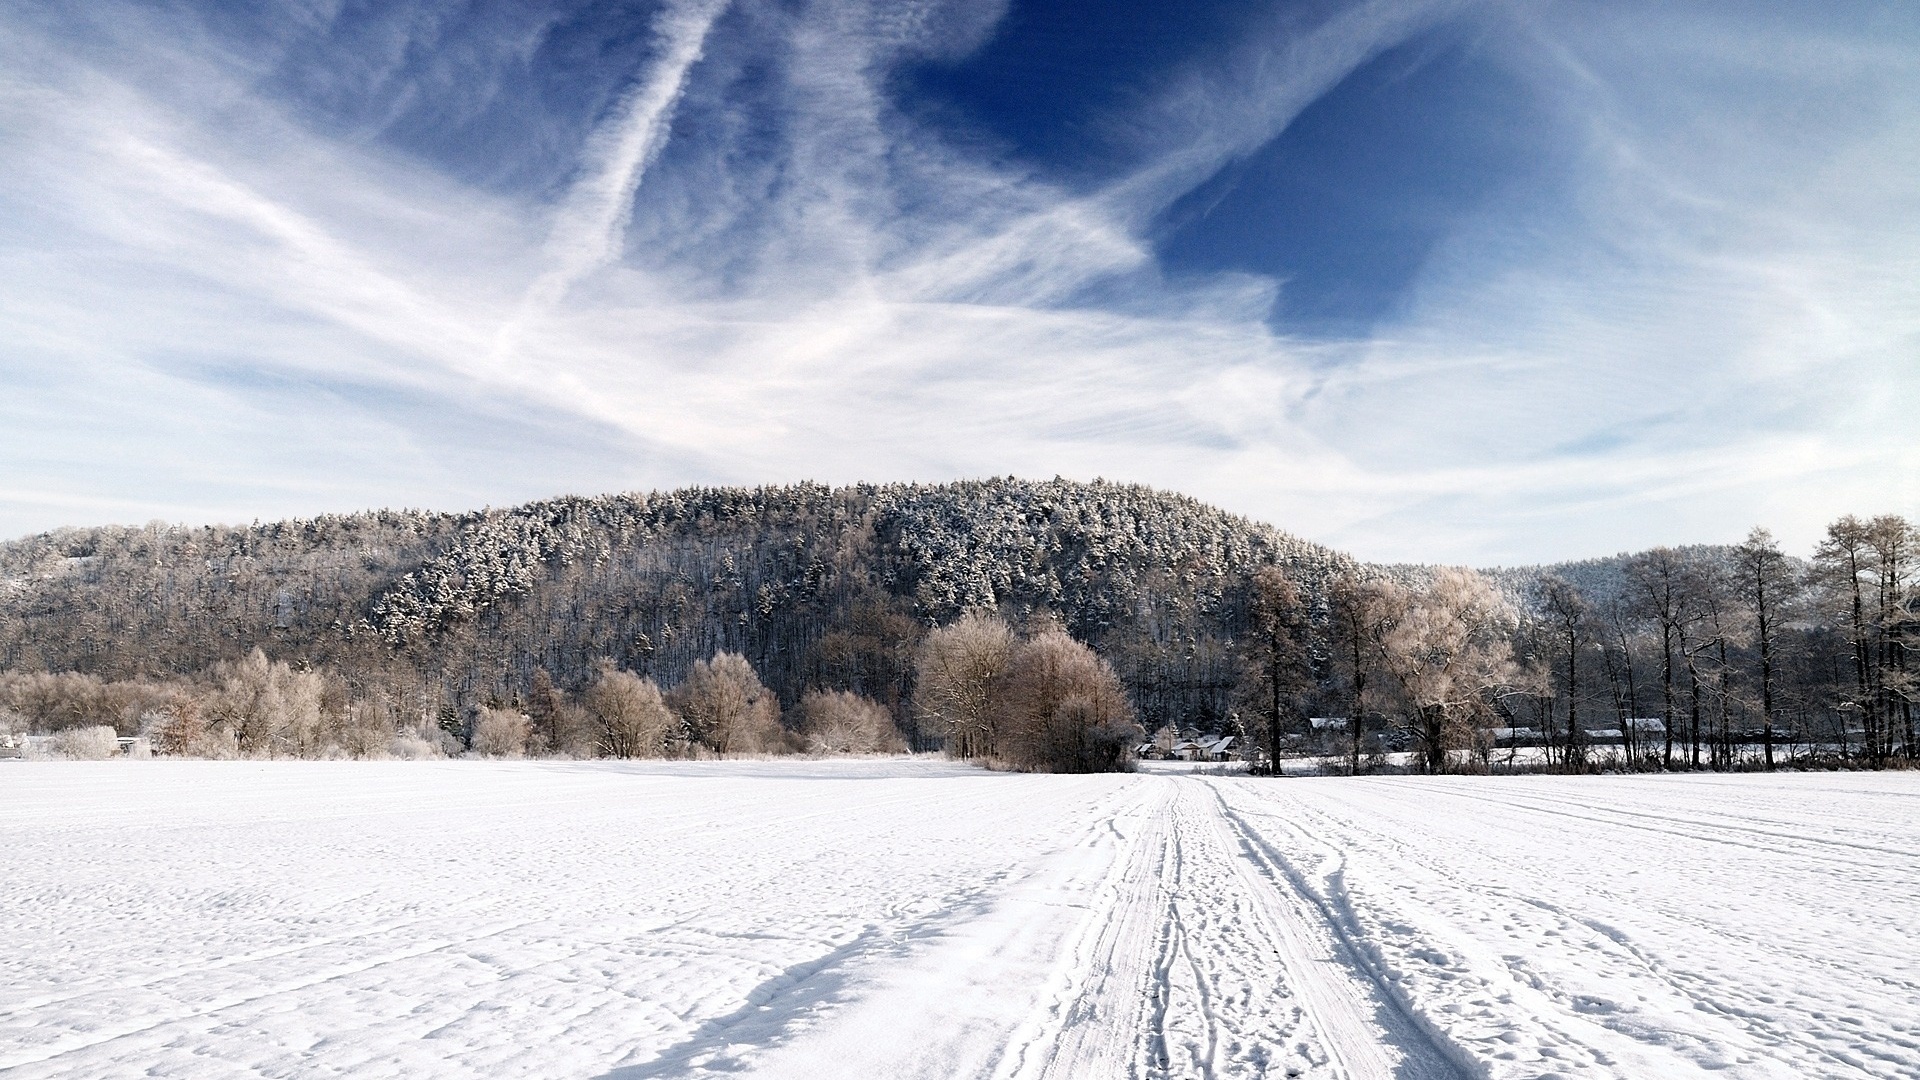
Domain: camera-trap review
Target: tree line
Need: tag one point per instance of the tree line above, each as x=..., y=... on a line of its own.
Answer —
x=1674, y=658
x=1035, y=702
x=525, y=630
x=827, y=589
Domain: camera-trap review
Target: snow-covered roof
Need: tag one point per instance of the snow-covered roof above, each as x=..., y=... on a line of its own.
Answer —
x=1321, y=723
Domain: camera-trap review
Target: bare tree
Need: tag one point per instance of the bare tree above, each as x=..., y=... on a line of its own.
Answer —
x=1662, y=592
x=368, y=724
x=1360, y=615
x=1451, y=653
x=726, y=707
x=545, y=713
x=630, y=714
x=1766, y=583
x=1276, y=656
x=1714, y=600
x=1568, y=612
x=957, y=677
x=1065, y=710
x=1844, y=560
x=1621, y=622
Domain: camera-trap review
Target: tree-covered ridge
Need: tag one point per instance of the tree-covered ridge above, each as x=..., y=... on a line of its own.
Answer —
x=820, y=587
x=1077, y=549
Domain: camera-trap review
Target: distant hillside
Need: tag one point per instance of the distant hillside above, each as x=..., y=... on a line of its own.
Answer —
x=1598, y=579
x=818, y=586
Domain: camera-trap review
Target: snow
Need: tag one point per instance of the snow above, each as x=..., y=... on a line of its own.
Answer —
x=912, y=918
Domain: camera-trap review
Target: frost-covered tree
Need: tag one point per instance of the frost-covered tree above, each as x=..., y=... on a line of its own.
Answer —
x=957, y=681
x=1063, y=709
x=629, y=714
x=268, y=708
x=726, y=708
x=1451, y=653
x=1896, y=557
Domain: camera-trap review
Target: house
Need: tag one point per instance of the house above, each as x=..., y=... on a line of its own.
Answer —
x=1644, y=728
x=1161, y=745
x=1220, y=749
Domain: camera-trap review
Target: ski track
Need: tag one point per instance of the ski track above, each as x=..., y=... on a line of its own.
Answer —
x=916, y=919
x=1548, y=940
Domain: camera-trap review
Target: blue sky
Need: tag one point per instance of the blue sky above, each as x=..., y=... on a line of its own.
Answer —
x=1475, y=282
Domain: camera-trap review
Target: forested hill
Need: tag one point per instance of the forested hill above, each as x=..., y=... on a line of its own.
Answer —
x=1601, y=579
x=817, y=586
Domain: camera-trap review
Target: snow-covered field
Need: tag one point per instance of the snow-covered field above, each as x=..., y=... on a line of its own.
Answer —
x=917, y=919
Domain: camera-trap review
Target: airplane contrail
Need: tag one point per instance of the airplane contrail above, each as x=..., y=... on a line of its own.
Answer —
x=594, y=215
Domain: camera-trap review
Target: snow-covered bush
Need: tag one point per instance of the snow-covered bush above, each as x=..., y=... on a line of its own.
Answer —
x=500, y=733
x=96, y=743
x=839, y=722
x=410, y=746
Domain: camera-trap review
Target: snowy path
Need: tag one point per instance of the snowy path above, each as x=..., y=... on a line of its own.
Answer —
x=915, y=919
x=1666, y=926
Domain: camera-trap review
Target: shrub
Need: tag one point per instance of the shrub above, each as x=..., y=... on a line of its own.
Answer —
x=500, y=733
x=411, y=746
x=839, y=722
x=96, y=743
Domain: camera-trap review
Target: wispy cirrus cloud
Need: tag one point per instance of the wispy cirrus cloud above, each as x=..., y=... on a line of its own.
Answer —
x=255, y=265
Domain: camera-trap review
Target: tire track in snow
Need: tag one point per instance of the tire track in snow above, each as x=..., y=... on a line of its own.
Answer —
x=781, y=1011
x=1492, y=997
x=113, y=1032
x=1197, y=958
x=1775, y=842
x=1370, y=1029
x=1095, y=1014
x=1234, y=1003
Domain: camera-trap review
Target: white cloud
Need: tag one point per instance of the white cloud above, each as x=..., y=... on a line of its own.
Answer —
x=212, y=308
